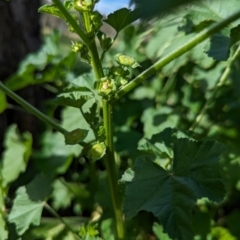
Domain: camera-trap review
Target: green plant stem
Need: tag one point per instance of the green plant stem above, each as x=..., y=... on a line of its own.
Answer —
x=95, y=60
x=55, y=214
x=220, y=83
x=72, y=22
x=90, y=42
x=111, y=168
x=178, y=52
x=105, y=51
x=32, y=109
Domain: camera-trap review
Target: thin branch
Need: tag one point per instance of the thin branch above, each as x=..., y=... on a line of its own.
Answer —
x=111, y=168
x=32, y=109
x=55, y=214
x=220, y=83
x=73, y=23
x=177, y=53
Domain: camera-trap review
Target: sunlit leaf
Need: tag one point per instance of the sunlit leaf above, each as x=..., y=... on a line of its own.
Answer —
x=16, y=154
x=51, y=9
x=74, y=98
x=28, y=204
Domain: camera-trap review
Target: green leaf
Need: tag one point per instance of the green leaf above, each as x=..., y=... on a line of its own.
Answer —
x=3, y=232
x=3, y=102
x=75, y=136
x=29, y=202
x=156, y=120
x=73, y=119
x=16, y=154
x=51, y=9
x=235, y=34
x=146, y=10
x=210, y=11
x=55, y=156
x=171, y=195
x=158, y=231
x=120, y=19
x=62, y=195
x=218, y=47
x=163, y=143
x=74, y=98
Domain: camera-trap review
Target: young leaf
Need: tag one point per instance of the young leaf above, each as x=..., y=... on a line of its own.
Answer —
x=120, y=19
x=73, y=99
x=51, y=9
x=28, y=204
x=170, y=196
x=16, y=154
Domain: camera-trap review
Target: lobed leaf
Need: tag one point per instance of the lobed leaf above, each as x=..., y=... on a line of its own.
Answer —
x=120, y=19
x=52, y=10
x=76, y=98
x=171, y=195
x=28, y=204
x=16, y=154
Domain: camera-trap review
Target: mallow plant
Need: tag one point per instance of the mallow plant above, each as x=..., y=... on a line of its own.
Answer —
x=173, y=170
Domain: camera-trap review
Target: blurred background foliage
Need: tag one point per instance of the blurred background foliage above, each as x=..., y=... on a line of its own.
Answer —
x=172, y=98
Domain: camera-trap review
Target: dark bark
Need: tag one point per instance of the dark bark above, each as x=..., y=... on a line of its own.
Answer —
x=19, y=35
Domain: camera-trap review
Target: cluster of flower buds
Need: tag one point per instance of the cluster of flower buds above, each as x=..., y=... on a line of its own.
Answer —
x=84, y=5
x=106, y=87
x=82, y=48
x=127, y=61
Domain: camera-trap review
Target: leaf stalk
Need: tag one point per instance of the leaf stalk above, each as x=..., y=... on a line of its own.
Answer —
x=220, y=83
x=111, y=168
x=32, y=109
x=203, y=35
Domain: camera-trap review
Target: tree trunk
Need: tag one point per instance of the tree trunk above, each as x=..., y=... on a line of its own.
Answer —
x=19, y=35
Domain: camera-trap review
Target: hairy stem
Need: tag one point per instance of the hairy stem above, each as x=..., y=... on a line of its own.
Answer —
x=32, y=109
x=71, y=20
x=220, y=83
x=108, y=126
x=95, y=59
x=55, y=214
x=111, y=168
x=177, y=53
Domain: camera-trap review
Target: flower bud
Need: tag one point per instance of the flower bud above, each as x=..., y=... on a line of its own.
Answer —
x=97, y=151
x=126, y=60
x=84, y=5
x=106, y=86
x=76, y=47
x=76, y=136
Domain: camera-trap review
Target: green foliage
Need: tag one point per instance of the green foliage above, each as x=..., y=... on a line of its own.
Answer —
x=120, y=19
x=17, y=151
x=175, y=185
x=194, y=174
x=28, y=204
